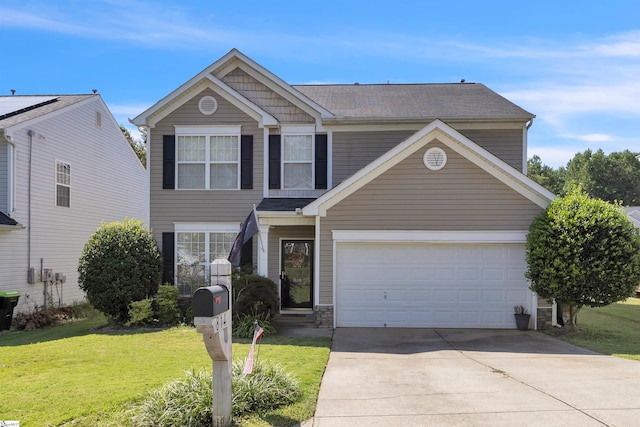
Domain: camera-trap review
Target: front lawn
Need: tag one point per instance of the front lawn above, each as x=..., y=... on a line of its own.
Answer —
x=76, y=375
x=614, y=329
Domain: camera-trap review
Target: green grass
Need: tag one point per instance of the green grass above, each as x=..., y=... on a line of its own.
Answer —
x=614, y=329
x=80, y=375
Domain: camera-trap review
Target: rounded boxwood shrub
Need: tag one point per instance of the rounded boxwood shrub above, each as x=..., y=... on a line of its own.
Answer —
x=254, y=295
x=582, y=251
x=119, y=264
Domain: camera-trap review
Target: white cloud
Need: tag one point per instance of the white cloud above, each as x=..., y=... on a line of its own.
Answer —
x=592, y=137
x=626, y=44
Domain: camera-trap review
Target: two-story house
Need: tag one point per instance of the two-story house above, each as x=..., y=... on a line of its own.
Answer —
x=65, y=167
x=397, y=205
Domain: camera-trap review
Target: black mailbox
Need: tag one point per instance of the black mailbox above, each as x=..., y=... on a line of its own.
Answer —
x=210, y=301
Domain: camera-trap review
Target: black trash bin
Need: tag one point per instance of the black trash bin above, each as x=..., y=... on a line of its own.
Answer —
x=8, y=301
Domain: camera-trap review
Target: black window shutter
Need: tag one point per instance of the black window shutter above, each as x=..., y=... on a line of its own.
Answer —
x=168, y=240
x=168, y=161
x=321, y=162
x=246, y=254
x=274, y=161
x=246, y=162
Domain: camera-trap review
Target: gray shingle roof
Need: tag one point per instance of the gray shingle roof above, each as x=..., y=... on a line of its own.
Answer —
x=283, y=204
x=6, y=220
x=414, y=101
x=60, y=102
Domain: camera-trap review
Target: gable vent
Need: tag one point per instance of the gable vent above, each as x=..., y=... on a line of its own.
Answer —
x=208, y=105
x=435, y=158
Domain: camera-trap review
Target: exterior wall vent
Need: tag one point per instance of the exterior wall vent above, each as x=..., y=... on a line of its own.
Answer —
x=208, y=105
x=435, y=158
x=98, y=119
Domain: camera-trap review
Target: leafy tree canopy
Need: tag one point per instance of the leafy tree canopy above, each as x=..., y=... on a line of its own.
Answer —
x=139, y=147
x=613, y=177
x=551, y=179
x=583, y=251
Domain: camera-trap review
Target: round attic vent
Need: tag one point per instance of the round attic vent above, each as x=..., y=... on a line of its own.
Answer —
x=435, y=158
x=208, y=105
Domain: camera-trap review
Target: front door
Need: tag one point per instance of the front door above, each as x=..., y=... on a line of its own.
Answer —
x=296, y=275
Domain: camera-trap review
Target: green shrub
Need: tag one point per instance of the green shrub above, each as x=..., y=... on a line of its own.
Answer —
x=268, y=387
x=254, y=294
x=166, y=302
x=140, y=312
x=583, y=251
x=246, y=325
x=183, y=402
x=119, y=264
x=187, y=402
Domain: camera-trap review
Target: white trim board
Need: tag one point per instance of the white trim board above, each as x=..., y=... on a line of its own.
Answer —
x=204, y=227
x=422, y=236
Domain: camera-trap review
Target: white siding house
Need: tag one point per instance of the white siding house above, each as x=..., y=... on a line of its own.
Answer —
x=65, y=168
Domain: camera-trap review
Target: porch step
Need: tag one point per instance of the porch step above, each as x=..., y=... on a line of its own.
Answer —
x=294, y=318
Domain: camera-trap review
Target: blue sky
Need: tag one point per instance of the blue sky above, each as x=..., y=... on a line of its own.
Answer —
x=576, y=65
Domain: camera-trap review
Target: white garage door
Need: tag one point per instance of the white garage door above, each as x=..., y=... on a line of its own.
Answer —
x=429, y=285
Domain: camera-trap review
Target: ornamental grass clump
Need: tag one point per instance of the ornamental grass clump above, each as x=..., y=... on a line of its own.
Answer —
x=268, y=387
x=187, y=402
x=183, y=402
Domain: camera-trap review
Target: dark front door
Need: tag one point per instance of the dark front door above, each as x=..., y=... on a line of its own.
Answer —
x=296, y=275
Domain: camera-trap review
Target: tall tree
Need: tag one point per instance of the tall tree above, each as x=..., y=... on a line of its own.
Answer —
x=613, y=177
x=139, y=147
x=550, y=178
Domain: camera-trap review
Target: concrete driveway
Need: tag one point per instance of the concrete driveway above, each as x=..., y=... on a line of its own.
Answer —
x=463, y=377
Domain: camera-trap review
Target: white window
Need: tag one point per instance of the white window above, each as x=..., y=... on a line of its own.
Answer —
x=197, y=246
x=63, y=184
x=297, y=159
x=208, y=157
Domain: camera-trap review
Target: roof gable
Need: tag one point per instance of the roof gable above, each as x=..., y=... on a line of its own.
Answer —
x=435, y=131
x=215, y=73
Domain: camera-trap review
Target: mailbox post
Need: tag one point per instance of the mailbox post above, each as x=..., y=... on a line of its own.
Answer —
x=212, y=318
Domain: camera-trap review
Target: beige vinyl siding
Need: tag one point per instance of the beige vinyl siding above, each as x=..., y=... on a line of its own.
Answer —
x=4, y=176
x=277, y=233
x=506, y=144
x=207, y=206
x=266, y=98
x=352, y=151
x=409, y=196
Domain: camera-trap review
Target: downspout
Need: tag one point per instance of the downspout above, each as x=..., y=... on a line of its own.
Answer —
x=525, y=133
x=30, y=133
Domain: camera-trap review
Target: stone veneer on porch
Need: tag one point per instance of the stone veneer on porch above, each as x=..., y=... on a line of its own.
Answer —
x=323, y=316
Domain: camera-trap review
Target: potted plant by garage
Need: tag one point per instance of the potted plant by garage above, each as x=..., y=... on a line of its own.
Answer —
x=522, y=317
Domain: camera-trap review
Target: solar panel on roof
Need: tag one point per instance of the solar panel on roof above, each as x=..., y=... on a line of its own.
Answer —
x=9, y=104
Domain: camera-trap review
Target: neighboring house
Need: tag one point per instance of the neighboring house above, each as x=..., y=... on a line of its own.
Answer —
x=65, y=167
x=378, y=205
x=633, y=214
